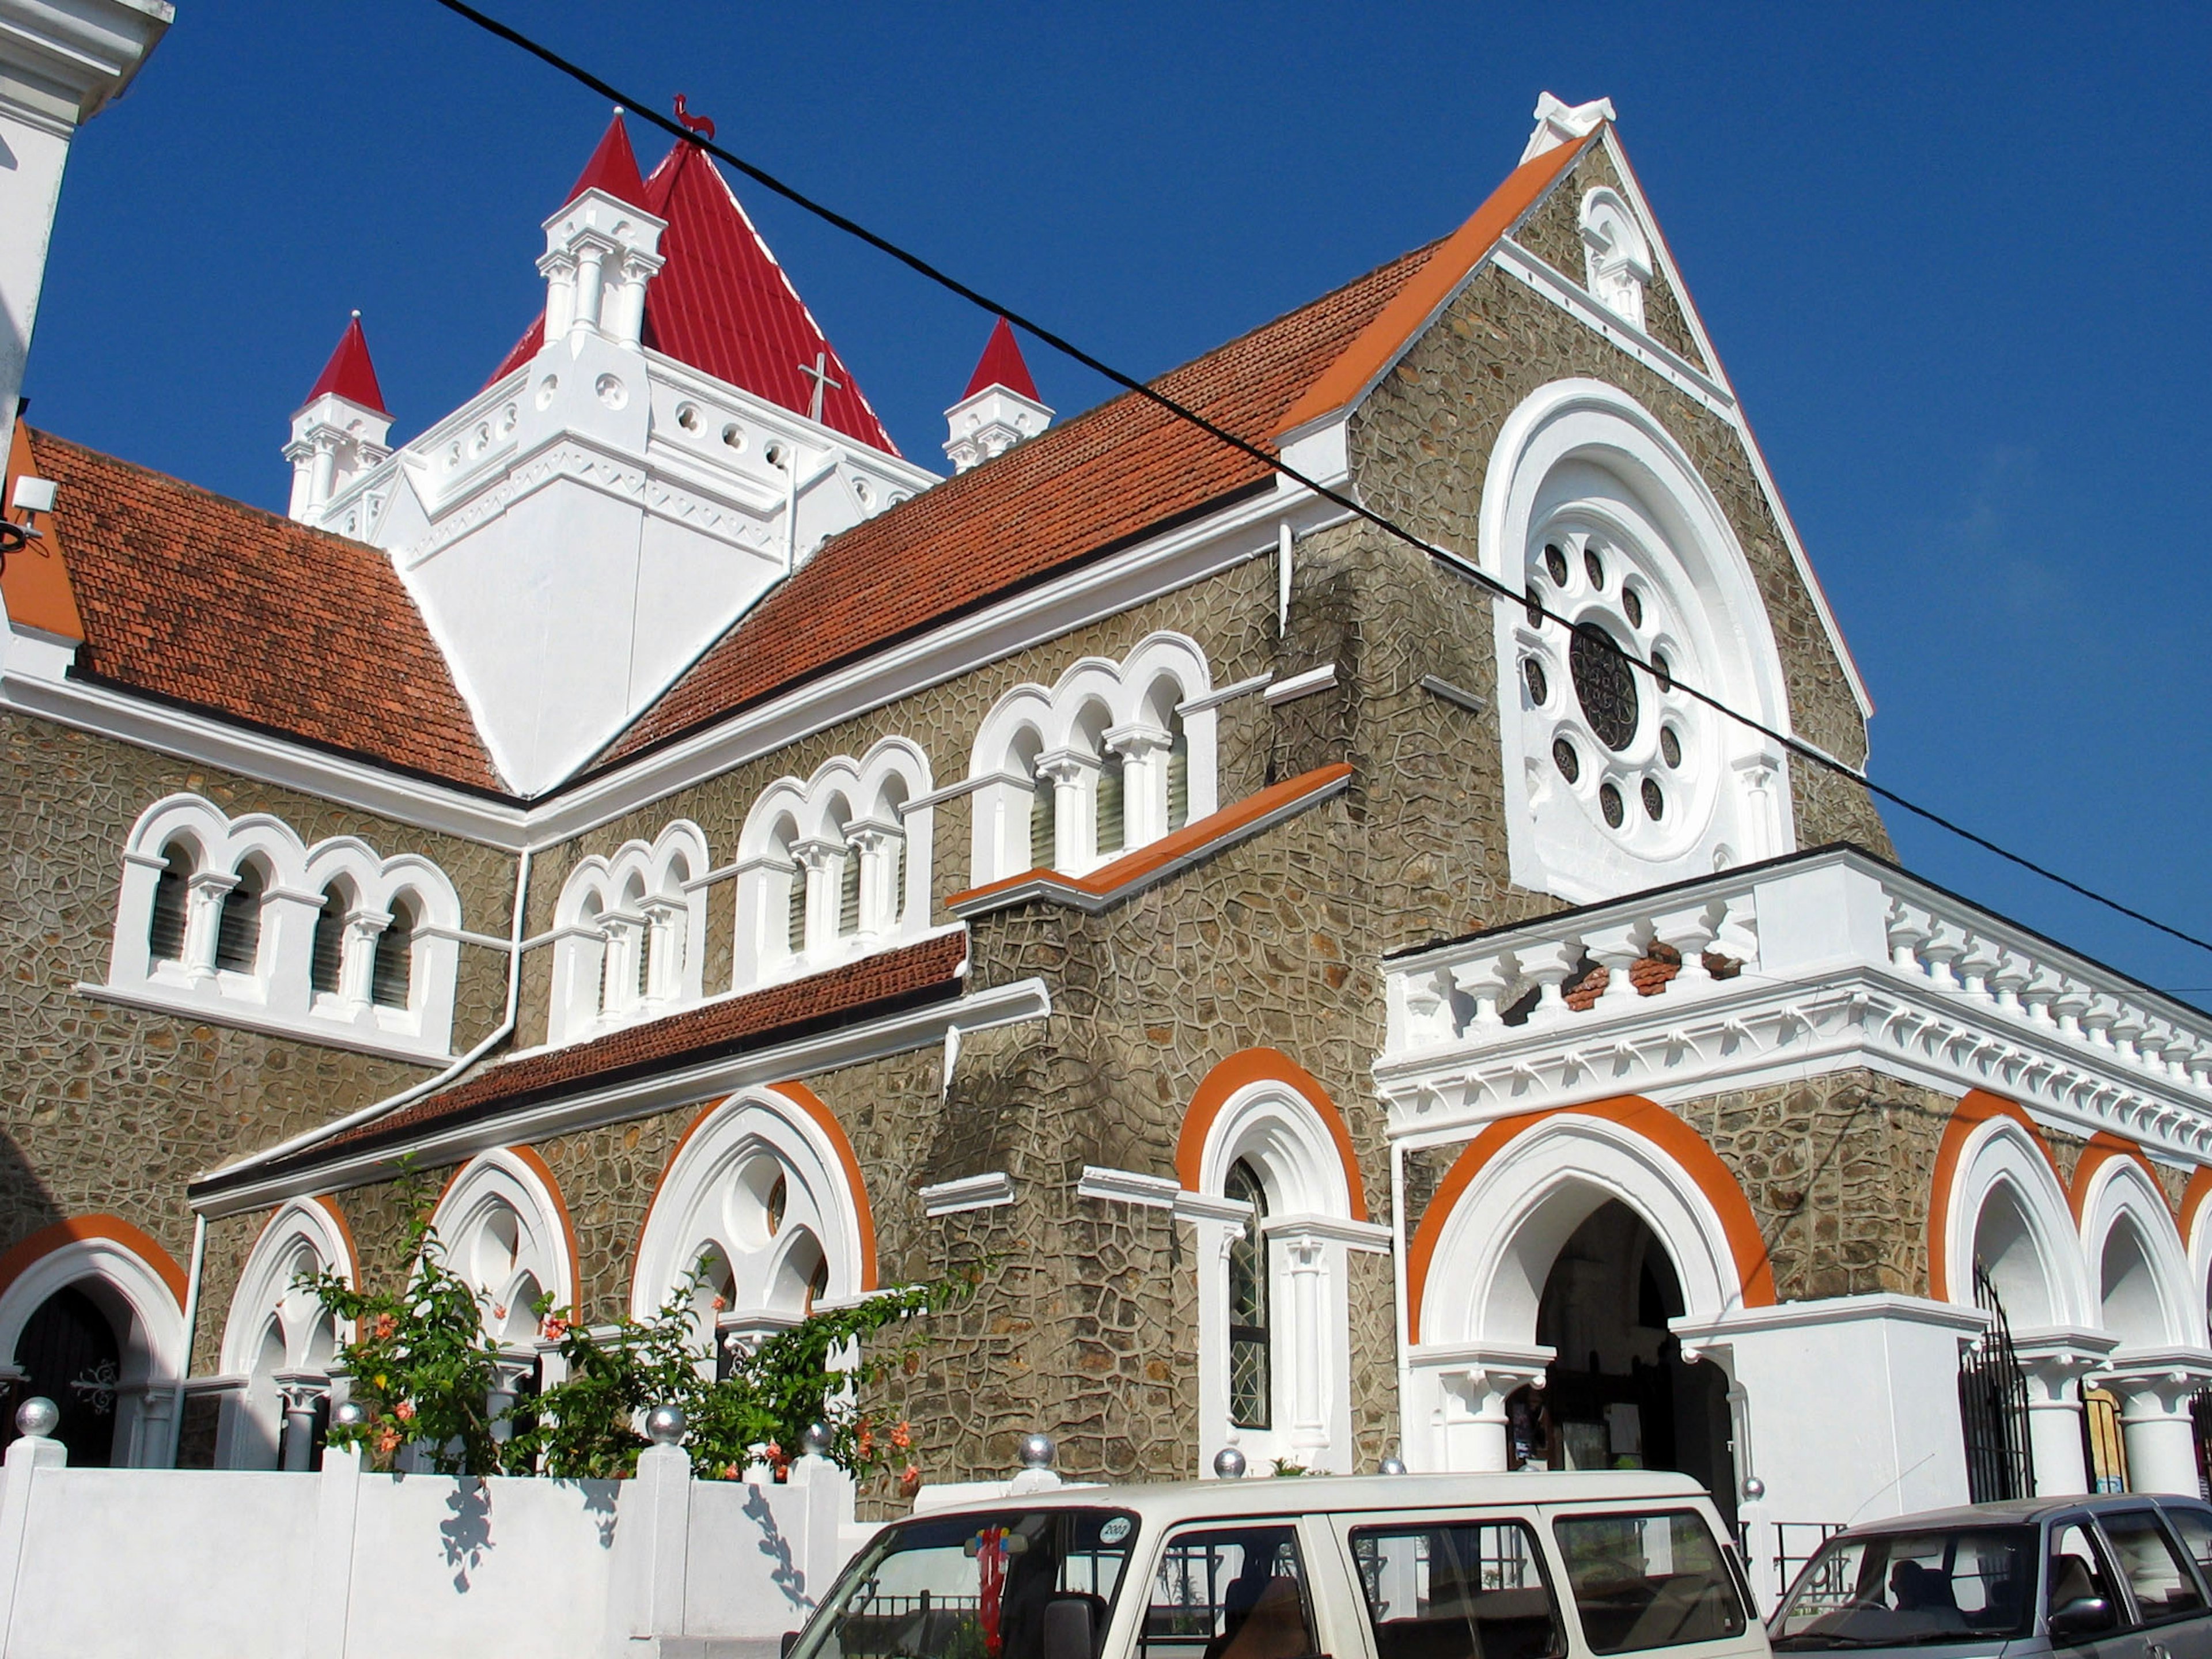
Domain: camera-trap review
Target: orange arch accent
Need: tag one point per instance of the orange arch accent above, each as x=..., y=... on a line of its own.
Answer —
x=539, y=1167
x=1977, y=1108
x=2103, y=1147
x=81, y=1228
x=1642, y=1117
x=1248, y=1065
x=2192, y=1199
x=816, y=1109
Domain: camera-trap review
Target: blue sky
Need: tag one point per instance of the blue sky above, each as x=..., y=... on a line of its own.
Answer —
x=1957, y=261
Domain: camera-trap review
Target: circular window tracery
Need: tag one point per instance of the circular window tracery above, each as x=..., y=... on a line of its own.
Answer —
x=1627, y=744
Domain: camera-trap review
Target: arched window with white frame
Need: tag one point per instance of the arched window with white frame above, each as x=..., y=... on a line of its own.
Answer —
x=505, y=1232
x=756, y=1220
x=1109, y=759
x=835, y=865
x=282, y=1343
x=234, y=921
x=629, y=934
x=1277, y=1213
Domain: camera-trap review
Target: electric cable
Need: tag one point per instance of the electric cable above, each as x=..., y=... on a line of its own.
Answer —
x=1459, y=562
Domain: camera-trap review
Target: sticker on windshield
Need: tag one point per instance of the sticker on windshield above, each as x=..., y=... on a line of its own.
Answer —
x=1114, y=1530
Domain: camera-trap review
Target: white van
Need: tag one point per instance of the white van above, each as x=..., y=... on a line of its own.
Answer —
x=1502, y=1566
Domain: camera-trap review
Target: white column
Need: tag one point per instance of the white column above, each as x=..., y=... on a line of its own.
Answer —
x=872, y=843
x=591, y=280
x=1144, y=751
x=2054, y=1363
x=300, y=1391
x=626, y=314
x=1473, y=1420
x=823, y=863
x=2154, y=1392
x=357, y=959
x=204, y=897
x=1309, y=1411
x=1215, y=1223
x=1074, y=775
x=664, y=947
x=559, y=271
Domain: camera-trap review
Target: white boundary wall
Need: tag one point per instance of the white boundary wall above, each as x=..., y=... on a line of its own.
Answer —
x=165, y=1563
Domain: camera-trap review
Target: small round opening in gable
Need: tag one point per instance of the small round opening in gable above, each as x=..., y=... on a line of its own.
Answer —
x=1604, y=685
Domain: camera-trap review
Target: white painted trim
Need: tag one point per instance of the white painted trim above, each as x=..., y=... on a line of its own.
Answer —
x=1128, y=1187
x=1369, y=1236
x=1437, y=687
x=1207, y=1206
x=245, y=1016
x=1563, y=291
x=1228, y=693
x=589, y=1107
x=1300, y=685
x=1830, y=1310
x=975, y=1192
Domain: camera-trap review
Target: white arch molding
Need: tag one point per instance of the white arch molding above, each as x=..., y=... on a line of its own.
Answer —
x=503, y=1232
x=142, y=1311
x=631, y=933
x=2006, y=1206
x=720, y=1198
x=277, y=1342
x=1309, y=1232
x=2137, y=1261
x=1476, y=1343
x=1583, y=454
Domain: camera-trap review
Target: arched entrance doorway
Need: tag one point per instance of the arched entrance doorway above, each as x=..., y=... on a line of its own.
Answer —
x=1618, y=1393
x=69, y=1353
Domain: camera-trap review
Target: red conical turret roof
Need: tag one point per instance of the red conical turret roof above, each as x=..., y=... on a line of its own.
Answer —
x=612, y=169
x=349, y=374
x=722, y=304
x=1002, y=365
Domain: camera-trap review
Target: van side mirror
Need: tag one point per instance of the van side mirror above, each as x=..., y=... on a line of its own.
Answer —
x=2085, y=1615
x=790, y=1641
x=1067, y=1632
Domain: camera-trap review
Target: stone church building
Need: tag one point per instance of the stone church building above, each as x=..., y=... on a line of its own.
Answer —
x=1348, y=1014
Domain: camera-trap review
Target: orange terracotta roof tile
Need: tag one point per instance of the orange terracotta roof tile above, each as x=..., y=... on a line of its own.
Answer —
x=1073, y=491
x=916, y=972
x=202, y=601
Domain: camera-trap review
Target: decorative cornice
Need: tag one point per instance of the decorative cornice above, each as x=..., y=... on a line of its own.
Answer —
x=1128, y=1187
x=976, y=1192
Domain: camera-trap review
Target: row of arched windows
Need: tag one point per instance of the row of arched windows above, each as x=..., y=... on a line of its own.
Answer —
x=332, y=941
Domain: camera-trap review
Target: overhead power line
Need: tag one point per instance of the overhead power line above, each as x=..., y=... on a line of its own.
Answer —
x=1458, y=561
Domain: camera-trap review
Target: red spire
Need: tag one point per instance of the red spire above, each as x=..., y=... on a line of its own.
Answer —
x=349, y=373
x=612, y=169
x=1002, y=365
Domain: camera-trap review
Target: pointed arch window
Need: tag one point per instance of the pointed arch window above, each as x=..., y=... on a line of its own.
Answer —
x=238, y=934
x=795, y=922
x=848, y=892
x=1044, y=823
x=1250, y=1386
x=1178, y=774
x=390, y=979
x=165, y=934
x=1112, y=797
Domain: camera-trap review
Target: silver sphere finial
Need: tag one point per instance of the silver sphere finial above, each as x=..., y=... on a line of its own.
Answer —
x=1753, y=1489
x=38, y=1416
x=664, y=1424
x=1037, y=1451
x=349, y=1414
x=816, y=1441
x=1228, y=1463
x=1391, y=1466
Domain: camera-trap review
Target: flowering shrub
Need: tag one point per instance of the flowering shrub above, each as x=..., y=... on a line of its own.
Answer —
x=424, y=1369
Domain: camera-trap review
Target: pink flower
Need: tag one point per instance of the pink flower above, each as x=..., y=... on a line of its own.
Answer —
x=731, y=1472
x=385, y=1326
x=388, y=1441
x=404, y=1410
x=555, y=1328
x=909, y=1481
x=902, y=1436
x=720, y=1304
x=499, y=1311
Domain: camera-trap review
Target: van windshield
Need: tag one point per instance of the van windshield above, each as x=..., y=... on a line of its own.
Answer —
x=976, y=1586
x=1911, y=1589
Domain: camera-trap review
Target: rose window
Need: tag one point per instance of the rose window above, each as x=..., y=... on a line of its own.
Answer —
x=1621, y=742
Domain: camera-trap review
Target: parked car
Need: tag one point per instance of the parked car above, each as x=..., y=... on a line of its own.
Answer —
x=2116, y=1576
x=1505, y=1566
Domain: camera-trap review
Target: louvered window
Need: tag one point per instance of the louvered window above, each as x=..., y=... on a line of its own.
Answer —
x=795, y=921
x=644, y=937
x=326, y=966
x=848, y=893
x=165, y=936
x=1178, y=775
x=1108, y=821
x=392, y=975
x=1044, y=827
x=238, y=935
x=896, y=905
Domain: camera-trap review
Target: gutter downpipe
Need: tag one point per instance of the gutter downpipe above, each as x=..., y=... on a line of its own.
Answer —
x=428, y=1086
x=191, y=1323
x=1401, y=1275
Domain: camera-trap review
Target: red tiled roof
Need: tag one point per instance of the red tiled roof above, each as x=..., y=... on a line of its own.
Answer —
x=723, y=304
x=200, y=600
x=613, y=168
x=349, y=373
x=1122, y=469
x=917, y=973
x=1002, y=364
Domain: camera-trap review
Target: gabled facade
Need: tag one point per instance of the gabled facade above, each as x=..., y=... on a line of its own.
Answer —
x=1353, y=1017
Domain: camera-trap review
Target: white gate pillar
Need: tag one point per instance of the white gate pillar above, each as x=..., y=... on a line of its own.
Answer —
x=2054, y=1362
x=2155, y=1390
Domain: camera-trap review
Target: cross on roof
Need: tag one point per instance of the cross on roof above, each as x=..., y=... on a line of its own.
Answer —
x=818, y=372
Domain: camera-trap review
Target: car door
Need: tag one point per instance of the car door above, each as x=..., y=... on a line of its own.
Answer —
x=2077, y=1570
x=1457, y=1584
x=1232, y=1589
x=2169, y=1601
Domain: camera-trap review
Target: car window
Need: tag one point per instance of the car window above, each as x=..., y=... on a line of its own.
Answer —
x=2075, y=1572
x=2164, y=1587
x=2195, y=1526
x=1461, y=1590
x=1647, y=1581
x=1230, y=1592
x=1911, y=1589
